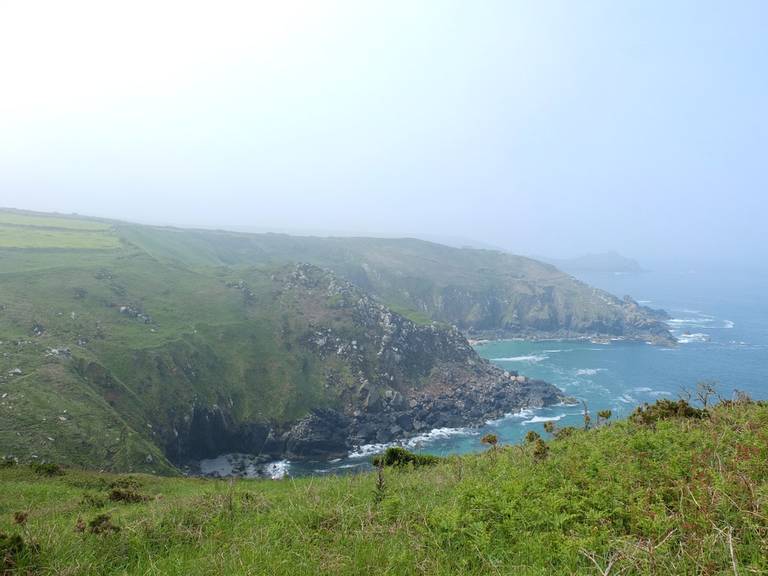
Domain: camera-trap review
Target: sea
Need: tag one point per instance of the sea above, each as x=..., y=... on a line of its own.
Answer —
x=720, y=319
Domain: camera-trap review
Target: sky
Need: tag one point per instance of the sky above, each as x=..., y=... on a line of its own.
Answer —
x=543, y=127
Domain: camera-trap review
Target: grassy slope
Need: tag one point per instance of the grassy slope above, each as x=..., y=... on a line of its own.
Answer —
x=59, y=410
x=685, y=497
x=64, y=279
x=474, y=289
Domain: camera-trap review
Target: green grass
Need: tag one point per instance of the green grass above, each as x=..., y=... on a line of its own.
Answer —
x=32, y=237
x=67, y=222
x=685, y=496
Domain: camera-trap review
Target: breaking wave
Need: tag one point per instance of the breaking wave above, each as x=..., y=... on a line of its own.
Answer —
x=689, y=338
x=589, y=371
x=538, y=419
x=530, y=358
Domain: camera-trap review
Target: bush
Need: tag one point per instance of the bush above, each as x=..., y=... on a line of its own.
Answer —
x=126, y=483
x=47, y=469
x=13, y=549
x=7, y=462
x=532, y=436
x=102, y=524
x=490, y=439
x=540, y=449
x=398, y=456
x=127, y=495
x=664, y=409
x=564, y=433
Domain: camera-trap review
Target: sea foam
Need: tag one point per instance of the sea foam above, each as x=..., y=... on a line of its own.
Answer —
x=538, y=419
x=689, y=338
x=589, y=371
x=531, y=358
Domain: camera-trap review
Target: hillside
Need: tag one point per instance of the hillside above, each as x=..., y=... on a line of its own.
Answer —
x=678, y=495
x=485, y=293
x=116, y=355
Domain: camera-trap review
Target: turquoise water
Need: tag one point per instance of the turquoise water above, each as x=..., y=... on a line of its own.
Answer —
x=721, y=320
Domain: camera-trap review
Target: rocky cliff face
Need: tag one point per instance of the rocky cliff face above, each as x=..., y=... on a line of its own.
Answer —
x=402, y=378
x=385, y=378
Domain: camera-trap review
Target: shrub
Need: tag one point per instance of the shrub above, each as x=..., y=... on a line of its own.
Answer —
x=7, y=462
x=20, y=518
x=563, y=433
x=398, y=456
x=126, y=482
x=47, y=469
x=532, y=436
x=93, y=500
x=540, y=449
x=127, y=495
x=102, y=524
x=13, y=549
x=665, y=409
x=490, y=439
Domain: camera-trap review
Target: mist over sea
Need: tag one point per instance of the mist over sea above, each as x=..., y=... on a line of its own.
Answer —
x=720, y=320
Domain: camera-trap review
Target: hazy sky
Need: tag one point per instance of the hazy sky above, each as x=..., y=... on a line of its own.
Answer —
x=543, y=127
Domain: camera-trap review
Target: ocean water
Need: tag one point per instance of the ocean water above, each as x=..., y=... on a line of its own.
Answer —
x=720, y=320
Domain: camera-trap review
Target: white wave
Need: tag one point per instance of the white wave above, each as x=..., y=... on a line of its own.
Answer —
x=627, y=399
x=589, y=371
x=689, y=338
x=439, y=434
x=369, y=450
x=277, y=470
x=523, y=414
x=660, y=393
x=690, y=321
x=538, y=419
x=562, y=404
x=728, y=324
x=642, y=389
x=531, y=358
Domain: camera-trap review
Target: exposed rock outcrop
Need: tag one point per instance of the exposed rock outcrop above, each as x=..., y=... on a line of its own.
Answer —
x=407, y=379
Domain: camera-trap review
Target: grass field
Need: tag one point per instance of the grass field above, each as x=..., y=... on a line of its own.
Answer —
x=22, y=230
x=678, y=496
x=61, y=239
x=61, y=222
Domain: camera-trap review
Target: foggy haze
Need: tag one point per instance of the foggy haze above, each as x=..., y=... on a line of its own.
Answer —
x=550, y=128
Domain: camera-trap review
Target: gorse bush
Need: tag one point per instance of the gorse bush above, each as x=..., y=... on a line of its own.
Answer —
x=490, y=440
x=532, y=436
x=398, y=456
x=665, y=409
x=565, y=432
x=16, y=554
x=126, y=495
x=47, y=469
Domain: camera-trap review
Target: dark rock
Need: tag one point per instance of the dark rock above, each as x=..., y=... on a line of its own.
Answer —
x=324, y=433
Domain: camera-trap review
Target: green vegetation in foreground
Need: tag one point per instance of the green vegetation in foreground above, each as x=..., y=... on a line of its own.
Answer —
x=659, y=494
